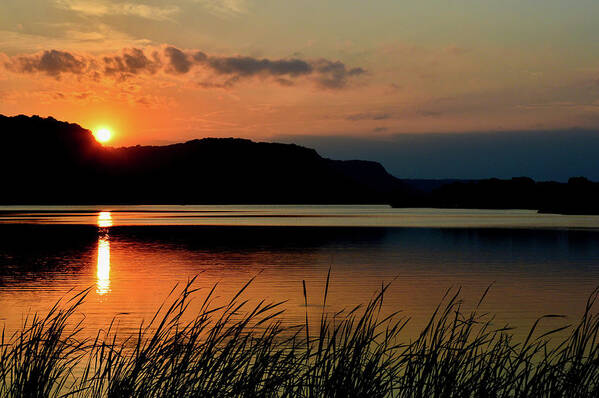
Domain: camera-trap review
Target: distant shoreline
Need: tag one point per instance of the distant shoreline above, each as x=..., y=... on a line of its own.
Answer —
x=578, y=196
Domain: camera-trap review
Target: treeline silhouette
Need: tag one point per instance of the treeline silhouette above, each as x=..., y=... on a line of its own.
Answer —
x=45, y=161
x=578, y=196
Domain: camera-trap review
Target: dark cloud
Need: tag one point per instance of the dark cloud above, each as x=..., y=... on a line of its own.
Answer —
x=285, y=82
x=199, y=56
x=248, y=66
x=368, y=116
x=334, y=74
x=327, y=74
x=133, y=61
x=179, y=62
x=379, y=129
x=52, y=62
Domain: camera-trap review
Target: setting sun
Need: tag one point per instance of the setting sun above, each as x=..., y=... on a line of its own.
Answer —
x=103, y=135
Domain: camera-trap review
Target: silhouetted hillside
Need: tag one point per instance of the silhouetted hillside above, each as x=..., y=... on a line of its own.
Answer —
x=47, y=161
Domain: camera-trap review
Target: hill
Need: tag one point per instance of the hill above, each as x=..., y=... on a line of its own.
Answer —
x=46, y=161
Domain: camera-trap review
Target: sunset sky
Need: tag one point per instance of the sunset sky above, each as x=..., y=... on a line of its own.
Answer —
x=161, y=71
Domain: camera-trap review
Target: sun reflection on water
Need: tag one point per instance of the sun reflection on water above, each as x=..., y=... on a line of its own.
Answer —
x=103, y=269
x=103, y=272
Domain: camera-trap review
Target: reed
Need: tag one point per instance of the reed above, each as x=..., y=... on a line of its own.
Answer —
x=239, y=350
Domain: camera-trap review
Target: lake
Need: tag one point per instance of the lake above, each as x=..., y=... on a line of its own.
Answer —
x=132, y=256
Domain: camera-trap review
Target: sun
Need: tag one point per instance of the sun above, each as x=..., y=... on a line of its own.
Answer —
x=103, y=135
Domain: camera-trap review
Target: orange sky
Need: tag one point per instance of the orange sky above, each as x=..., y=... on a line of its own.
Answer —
x=165, y=71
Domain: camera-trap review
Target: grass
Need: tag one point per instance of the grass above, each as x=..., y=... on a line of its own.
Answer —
x=238, y=350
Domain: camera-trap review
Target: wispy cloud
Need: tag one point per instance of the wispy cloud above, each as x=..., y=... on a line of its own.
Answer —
x=225, y=8
x=102, y=7
x=100, y=39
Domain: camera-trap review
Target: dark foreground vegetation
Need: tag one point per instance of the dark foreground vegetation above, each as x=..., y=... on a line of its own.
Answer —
x=240, y=351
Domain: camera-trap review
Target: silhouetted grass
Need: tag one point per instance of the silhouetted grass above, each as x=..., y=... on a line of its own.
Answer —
x=237, y=350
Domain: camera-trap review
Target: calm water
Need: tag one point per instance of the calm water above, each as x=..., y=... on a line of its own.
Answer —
x=132, y=256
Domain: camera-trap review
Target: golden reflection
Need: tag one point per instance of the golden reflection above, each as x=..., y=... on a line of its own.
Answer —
x=103, y=272
x=104, y=219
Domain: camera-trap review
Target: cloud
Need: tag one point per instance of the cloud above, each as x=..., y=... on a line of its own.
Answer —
x=99, y=8
x=327, y=74
x=179, y=62
x=132, y=61
x=335, y=74
x=129, y=62
x=199, y=56
x=52, y=63
x=93, y=37
x=248, y=66
x=225, y=8
x=284, y=82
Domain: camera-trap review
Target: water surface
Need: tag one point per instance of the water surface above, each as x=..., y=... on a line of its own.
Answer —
x=131, y=257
